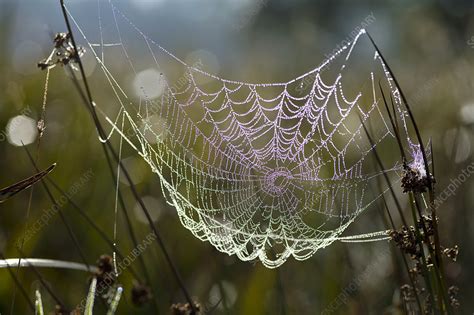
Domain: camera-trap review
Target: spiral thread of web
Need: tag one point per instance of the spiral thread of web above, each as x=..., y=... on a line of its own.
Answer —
x=262, y=171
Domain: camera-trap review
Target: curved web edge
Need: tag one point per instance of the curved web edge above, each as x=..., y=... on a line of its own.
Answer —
x=228, y=243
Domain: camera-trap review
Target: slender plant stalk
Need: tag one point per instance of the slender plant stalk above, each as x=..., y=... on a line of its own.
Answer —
x=120, y=195
x=382, y=167
x=420, y=142
x=430, y=185
x=91, y=223
x=71, y=233
x=437, y=272
x=424, y=265
x=115, y=301
x=387, y=180
x=12, y=190
x=92, y=110
x=404, y=259
x=393, y=122
x=18, y=284
x=38, y=303
x=45, y=285
x=90, y=298
x=46, y=263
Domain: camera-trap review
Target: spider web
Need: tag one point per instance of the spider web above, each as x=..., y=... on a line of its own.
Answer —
x=260, y=170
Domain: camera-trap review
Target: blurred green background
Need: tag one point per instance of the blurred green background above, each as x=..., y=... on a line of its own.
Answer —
x=430, y=46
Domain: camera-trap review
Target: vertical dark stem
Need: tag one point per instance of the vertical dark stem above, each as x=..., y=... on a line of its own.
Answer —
x=18, y=284
x=101, y=132
x=382, y=169
x=120, y=196
x=61, y=214
x=95, y=227
x=45, y=285
x=437, y=247
x=86, y=217
x=393, y=121
x=404, y=259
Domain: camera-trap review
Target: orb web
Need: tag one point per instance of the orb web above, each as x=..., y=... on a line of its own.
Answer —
x=260, y=170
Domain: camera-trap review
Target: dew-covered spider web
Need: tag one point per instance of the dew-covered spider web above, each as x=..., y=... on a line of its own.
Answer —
x=260, y=170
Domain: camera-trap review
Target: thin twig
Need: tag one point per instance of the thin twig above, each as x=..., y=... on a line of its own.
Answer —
x=437, y=249
x=46, y=263
x=61, y=214
x=10, y=191
x=90, y=222
x=394, y=123
x=123, y=207
x=18, y=284
x=382, y=168
x=45, y=285
x=101, y=132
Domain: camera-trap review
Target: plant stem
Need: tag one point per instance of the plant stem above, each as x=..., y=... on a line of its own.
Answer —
x=91, y=106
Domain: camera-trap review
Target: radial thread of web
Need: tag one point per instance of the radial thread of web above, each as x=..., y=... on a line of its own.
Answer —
x=263, y=171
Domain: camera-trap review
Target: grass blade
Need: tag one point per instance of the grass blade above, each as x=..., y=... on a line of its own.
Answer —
x=45, y=263
x=38, y=303
x=115, y=301
x=18, y=284
x=89, y=102
x=90, y=298
x=14, y=189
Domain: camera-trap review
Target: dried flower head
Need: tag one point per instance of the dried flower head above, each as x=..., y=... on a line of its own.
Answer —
x=407, y=293
x=452, y=252
x=453, y=296
x=426, y=225
x=63, y=53
x=405, y=239
x=415, y=175
x=60, y=310
x=185, y=309
x=41, y=126
x=141, y=294
x=105, y=275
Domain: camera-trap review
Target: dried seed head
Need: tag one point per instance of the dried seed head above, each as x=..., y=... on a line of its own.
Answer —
x=452, y=252
x=41, y=126
x=428, y=306
x=60, y=39
x=405, y=239
x=407, y=293
x=453, y=292
x=413, y=180
x=426, y=224
x=416, y=178
x=141, y=294
x=60, y=310
x=105, y=263
x=105, y=275
x=76, y=311
x=63, y=53
x=185, y=309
